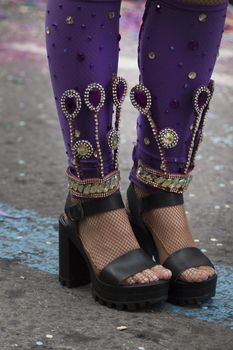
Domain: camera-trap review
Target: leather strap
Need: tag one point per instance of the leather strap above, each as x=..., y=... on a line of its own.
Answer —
x=184, y=259
x=125, y=266
x=93, y=206
x=137, y=206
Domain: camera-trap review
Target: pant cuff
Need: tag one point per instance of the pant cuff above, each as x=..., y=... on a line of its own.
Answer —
x=152, y=180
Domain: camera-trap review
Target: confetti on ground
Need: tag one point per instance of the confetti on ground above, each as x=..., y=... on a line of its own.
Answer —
x=121, y=328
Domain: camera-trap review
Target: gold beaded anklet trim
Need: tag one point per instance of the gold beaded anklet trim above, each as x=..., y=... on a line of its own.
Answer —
x=168, y=182
x=94, y=188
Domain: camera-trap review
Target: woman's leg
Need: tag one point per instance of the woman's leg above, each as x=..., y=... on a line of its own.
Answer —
x=179, y=43
x=82, y=45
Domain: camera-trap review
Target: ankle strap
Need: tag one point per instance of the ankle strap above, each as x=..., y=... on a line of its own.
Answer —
x=160, y=200
x=79, y=211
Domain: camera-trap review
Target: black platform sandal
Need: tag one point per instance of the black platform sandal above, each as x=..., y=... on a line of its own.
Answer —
x=75, y=268
x=180, y=292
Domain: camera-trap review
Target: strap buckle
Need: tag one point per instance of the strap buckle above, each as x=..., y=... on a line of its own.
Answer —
x=75, y=212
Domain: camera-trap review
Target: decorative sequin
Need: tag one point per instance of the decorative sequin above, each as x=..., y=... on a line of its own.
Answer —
x=174, y=104
x=168, y=138
x=192, y=75
x=202, y=17
x=193, y=45
x=169, y=182
x=80, y=57
x=151, y=55
x=146, y=140
x=69, y=20
x=83, y=149
x=113, y=139
x=172, y=48
x=48, y=30
x=77, y=133
x=111, y=14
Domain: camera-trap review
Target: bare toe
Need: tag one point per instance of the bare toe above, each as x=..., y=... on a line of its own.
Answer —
x=151, y=275
x=162, y=272
x=194, y=275
x=141, y=278
x=207, y=269
x=130, y=281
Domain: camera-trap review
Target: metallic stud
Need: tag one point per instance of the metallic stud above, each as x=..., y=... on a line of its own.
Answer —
x=151, y=55
x=113, y=139
x=168, y=138
x=202, y=17
x=71, y=112
x=69, y=20
x=111, y=15
x=146, y=140
x=48, y=30
x=83, y=149
x=94, y=97
x=77, y=133
x=192, y=75
x=141, y=98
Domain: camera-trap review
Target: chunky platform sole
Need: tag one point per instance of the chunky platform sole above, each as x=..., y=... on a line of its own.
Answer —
x=76, y=270
x=179, y=293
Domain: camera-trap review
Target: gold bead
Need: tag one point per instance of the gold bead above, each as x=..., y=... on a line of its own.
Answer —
x=111, y=14
x=77, y=133
x=192, y=75
x=69, y=20
x=146, y=141
x=47, y=30
x=202, y=17
x=151, y=55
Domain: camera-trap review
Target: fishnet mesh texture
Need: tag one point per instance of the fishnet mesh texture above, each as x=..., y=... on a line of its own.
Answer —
x=107, y=236
x=170, y=229
x=203, y=2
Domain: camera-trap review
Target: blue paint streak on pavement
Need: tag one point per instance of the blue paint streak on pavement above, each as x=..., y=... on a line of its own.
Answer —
x=33, y=241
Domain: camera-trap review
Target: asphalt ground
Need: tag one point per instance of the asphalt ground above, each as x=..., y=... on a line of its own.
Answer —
x=35, y=311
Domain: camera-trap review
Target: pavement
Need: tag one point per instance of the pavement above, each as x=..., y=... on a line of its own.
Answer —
x=35, y=311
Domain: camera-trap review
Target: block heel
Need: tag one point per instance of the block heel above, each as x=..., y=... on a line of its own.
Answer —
x=108, y=287
x=73, y=270
x=179, y=292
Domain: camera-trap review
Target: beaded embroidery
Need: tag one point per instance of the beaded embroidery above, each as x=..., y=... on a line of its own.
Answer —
x=200, y=117
x=94, y=98
x=119, y=91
